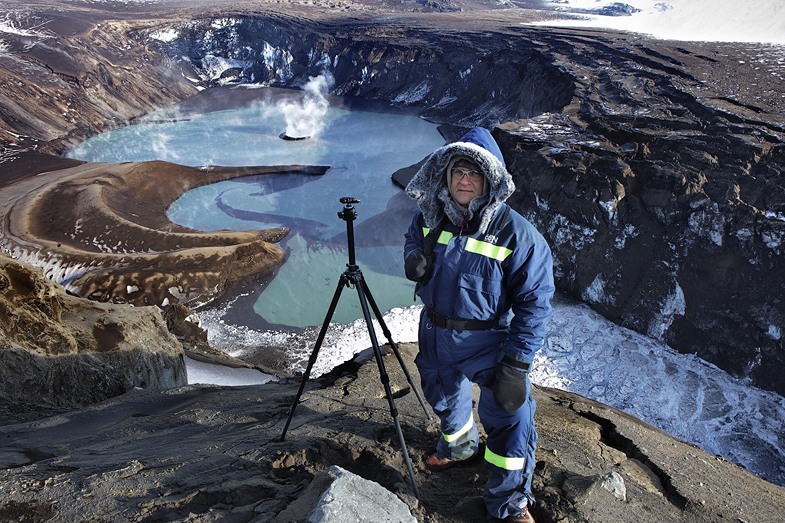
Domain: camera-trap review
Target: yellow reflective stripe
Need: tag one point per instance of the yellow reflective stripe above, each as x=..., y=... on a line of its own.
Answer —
x=449, y=438
x=504, y=462
x=496, y=252
x=444, y=237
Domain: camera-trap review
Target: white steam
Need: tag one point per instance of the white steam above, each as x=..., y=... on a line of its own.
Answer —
x=306, y=117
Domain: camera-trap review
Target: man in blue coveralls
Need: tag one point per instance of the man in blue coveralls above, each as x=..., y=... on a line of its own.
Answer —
x=485, y=277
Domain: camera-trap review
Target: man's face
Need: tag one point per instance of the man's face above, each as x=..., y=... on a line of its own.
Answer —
x=466, y=183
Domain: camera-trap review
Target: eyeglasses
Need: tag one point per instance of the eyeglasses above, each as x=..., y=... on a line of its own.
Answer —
x=458, y=173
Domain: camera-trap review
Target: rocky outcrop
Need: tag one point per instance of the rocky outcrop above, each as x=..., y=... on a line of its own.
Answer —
x=59, y=351
x=663, y=199
x=214, y=454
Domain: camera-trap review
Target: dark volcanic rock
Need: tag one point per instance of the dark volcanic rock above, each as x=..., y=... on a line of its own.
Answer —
x=665, y=210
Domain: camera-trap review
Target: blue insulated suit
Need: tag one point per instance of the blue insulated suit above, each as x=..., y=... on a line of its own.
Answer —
x=492, y=265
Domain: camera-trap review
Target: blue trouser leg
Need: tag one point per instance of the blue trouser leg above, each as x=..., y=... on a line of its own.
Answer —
x=510, y=449
x=449, y=393
x=512, y=437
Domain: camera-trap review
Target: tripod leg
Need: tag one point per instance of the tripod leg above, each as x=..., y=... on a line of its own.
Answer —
x=394, y=346
x=385, y=379
x=341, y=284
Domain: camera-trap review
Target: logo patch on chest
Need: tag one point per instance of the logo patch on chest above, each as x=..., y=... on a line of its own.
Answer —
x=491, y=238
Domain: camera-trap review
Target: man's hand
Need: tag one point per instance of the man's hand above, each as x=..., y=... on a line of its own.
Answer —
x=510, y=385
x=417, y=266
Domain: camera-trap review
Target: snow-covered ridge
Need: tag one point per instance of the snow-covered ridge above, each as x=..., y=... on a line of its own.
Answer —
x=697, y=20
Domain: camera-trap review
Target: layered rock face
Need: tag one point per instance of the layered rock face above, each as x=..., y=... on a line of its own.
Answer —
x=60, y=351
x=68, y=73
x=655, y=174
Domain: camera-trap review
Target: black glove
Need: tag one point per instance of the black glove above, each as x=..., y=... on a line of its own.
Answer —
x=510, y=384
x=417, y=266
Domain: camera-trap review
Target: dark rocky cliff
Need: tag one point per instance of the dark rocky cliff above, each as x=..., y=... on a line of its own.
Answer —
x=654, y=171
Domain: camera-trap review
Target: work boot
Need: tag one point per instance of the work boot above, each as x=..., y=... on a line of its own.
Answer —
x=523, y=517
x=437, y=463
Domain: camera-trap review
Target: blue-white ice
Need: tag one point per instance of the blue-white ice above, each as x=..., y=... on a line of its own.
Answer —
x=583, y=352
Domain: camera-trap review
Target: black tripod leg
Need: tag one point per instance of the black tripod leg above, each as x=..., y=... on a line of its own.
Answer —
x=385, y=378
x=394, y=347
x=341, y=284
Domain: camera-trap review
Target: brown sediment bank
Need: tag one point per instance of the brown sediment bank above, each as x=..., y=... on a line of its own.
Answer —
x=101, y=229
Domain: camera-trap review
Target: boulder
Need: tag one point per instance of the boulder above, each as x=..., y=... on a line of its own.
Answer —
x=58, y=350
x=336, y=495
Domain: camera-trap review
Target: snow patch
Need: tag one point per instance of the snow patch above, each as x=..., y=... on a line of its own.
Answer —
x=673, y=305
x=215, y=66
x=595, y=293
x=341, y=343
x=611, y=209
x=564, y=232
x=707, y=222
x=773, y=238
x=53, y=267
x=774, y=215
x=278, y=60
x=165, y=35
x=629, y=231
x=414, y=93
x=687, y=20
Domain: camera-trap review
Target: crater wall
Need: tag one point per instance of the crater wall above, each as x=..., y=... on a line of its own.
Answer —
x=654, y=168
x=660, y=192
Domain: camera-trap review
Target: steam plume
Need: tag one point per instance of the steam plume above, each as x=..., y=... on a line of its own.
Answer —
x=305, y=117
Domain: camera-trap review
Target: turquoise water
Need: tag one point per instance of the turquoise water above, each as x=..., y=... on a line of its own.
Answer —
x=362, y=148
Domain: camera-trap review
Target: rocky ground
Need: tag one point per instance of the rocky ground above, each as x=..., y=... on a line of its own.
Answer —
x=147, y=448
x=202, y=453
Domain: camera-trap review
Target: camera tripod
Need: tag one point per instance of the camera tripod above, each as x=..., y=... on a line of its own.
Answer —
x=353, y=277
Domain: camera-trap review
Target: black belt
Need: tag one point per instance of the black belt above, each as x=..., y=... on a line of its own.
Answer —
x=458, y=325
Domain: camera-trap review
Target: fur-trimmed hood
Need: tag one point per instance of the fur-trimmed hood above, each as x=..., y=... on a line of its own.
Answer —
x=429, y=186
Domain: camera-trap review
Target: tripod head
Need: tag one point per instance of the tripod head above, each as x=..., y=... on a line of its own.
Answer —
x=349, y=214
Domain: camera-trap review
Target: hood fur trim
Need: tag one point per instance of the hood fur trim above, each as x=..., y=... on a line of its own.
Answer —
x=429, y=186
